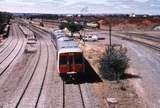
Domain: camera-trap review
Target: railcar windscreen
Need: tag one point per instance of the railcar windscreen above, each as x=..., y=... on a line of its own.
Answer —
x=63, y=59
x=78, y=58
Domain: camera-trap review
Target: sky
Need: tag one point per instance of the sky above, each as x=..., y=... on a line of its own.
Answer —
x=151, y=7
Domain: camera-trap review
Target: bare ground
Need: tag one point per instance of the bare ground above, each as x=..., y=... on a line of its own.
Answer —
x=122, y=91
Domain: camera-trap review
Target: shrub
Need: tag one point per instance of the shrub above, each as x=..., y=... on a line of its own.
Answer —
x=114, y=64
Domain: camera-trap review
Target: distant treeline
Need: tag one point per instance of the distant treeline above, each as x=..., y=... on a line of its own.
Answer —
x=115, y=19
x=4, y=20
x=43, y=16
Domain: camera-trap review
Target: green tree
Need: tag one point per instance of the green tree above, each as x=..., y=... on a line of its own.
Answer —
x=4, y=19
x=74, y=27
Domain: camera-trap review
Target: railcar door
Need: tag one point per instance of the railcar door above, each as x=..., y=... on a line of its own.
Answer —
x=78, y=62
x=71, y=63
x=64, y=66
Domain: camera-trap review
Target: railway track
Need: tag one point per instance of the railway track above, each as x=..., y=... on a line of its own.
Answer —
x=8, y=57
x=8, y=41
x=157, y=48
x=11, y=61
x=28, y=76
x=76, y=99
x=72, y=96
x=22, y=102
x=10, y=49
x=39, y=95
x=30, y=92
x=143, y=36
x=41, y=31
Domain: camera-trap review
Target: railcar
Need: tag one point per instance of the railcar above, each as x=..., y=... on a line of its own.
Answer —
x=69, y=56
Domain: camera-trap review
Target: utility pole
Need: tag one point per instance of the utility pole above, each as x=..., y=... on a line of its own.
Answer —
x=110, y=34
x=110, y=40
x=110, y=44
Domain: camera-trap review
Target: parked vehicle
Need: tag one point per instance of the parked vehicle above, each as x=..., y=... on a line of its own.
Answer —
x=90, y=38
x=93, y=24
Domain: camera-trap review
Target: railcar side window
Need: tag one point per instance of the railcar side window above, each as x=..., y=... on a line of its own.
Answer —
x=63, y=60
x=78, y=59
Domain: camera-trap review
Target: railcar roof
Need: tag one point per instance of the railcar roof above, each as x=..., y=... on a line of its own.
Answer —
x=70, y=50
x=64, y=38
x=67, y=44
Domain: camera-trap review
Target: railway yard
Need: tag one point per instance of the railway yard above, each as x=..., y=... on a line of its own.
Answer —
x=29, y=77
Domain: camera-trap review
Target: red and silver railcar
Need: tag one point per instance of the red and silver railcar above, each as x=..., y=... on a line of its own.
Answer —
x=69, y=56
